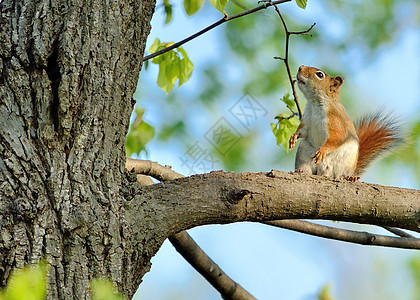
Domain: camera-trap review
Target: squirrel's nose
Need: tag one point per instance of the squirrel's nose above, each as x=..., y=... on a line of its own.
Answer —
x=300, y=68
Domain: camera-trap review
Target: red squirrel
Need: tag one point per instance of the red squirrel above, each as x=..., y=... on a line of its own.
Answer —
x=331, y=145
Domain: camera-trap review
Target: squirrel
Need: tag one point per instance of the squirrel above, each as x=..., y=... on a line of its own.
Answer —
x=331, y=144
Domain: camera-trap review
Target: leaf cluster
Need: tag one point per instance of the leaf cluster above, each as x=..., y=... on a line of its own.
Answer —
x=30, y=283
x=286, y=125
x=173, y=65
x=139, y=135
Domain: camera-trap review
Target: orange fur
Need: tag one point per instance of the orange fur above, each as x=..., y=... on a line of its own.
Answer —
x=327, y=122
x=339, y=129
x=377, y=133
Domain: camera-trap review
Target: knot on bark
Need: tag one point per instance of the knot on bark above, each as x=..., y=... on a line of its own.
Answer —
x=23, y=209
x=275, y=174
x=237, y=195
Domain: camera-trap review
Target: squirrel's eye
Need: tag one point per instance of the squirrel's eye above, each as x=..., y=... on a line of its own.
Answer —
x=319, y=74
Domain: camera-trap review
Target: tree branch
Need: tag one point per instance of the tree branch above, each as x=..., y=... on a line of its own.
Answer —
x=398, y=232
x=220, y=22
x=341, y=232
x=147, y=167
x=197, y=258
x=183, y=242
x=285, y=59
x=357, y=237
x=220, y=197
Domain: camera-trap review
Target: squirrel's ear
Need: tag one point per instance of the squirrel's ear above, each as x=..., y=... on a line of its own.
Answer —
x=337, y=82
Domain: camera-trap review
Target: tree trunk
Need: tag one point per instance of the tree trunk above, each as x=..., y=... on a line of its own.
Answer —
x=68, y=73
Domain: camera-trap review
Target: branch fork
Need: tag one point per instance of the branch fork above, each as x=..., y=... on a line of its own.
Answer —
x=228, y=288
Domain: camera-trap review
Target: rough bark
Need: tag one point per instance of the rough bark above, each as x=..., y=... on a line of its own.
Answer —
x=220, y=197
x=68, y=73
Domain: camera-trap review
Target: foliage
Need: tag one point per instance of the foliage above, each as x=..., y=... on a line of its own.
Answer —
x=325, y=293
x=301, y=3
x=286, y=125
x=248, y=44
x=29, y=283
x=370, y=30
x=171, y=66
x=102, y=289
x=192, y=6
x=236, y=155
x=219, y=4
x=168, y=11
x=170, y=130
x=251, y=44
x=139, y=135
x=414, y=265
x=410, y=154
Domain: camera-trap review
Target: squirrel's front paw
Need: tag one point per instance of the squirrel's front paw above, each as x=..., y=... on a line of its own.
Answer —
x=293, y=140
x=320, y=155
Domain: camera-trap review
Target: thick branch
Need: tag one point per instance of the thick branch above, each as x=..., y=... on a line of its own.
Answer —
x=157, y=171
x=183, y=242
x=221, y=197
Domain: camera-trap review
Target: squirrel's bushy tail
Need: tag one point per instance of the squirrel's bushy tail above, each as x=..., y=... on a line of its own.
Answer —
x=377, y=133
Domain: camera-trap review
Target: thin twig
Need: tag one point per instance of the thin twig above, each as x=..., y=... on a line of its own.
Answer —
x=287, y=118
x=285, y=59
x=357, y=237
x=407, y=241
x=221, y=21
x=398, y=232
x=304, y=32
x=183, y=242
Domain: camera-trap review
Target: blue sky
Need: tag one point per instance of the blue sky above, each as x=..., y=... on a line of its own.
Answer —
x=273, y=263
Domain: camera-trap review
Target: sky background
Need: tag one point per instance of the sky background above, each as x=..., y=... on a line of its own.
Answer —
x=273, y=263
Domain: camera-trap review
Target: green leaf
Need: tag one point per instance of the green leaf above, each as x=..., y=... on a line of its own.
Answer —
x=183, y=52
x=171, y=67
x=284, y=129
x=168, y=74
x=325, y=293
x=301, y=3
x=288, y=101
x=185, y=68
x=219, y=4
x=29, y=283
x=103, y=289
x=155, y=46
x=279, y=133
x=168, y=11
x=192, y=6
x=414, y=264
x=169, y=131
x=139, y=135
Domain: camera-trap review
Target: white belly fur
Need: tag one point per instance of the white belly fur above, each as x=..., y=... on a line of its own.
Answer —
x=339, y=162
